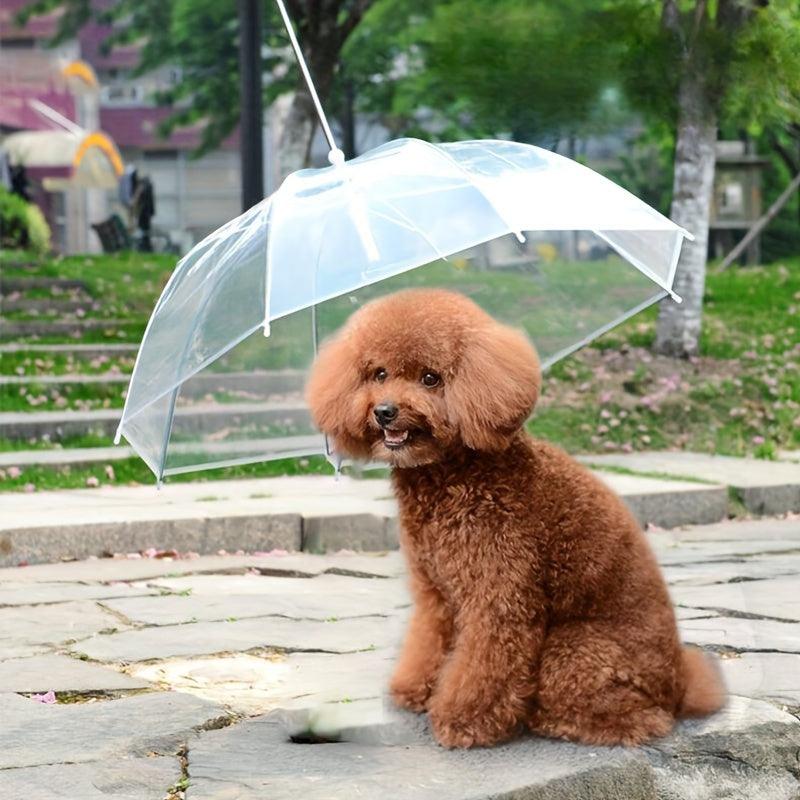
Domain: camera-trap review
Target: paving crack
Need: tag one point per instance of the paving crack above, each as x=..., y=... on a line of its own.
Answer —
x=736, y=614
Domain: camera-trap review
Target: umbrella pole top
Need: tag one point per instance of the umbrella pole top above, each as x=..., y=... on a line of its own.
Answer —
x=335, y=155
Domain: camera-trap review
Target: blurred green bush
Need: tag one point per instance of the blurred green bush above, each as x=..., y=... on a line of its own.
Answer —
x=22, y=224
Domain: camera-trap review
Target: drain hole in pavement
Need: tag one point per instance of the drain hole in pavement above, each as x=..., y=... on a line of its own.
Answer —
x=307, y=737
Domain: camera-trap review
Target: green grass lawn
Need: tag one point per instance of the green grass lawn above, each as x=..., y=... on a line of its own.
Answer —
x=741, y=396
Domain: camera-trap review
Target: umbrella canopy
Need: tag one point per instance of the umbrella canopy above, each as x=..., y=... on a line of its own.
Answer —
x=538, y=240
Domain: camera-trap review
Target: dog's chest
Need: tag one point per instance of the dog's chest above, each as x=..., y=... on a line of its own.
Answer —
x=453, y=531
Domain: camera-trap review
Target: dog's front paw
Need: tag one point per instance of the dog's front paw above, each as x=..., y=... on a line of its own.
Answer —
x=464, y=727
x=409, y=693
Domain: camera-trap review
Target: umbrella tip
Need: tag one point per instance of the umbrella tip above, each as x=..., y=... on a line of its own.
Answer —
x=336, y=157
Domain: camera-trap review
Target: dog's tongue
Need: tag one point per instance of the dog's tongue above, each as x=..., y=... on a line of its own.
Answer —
x=395, y=437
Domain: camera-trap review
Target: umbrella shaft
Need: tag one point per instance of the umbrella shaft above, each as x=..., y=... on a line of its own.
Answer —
x=326, y=128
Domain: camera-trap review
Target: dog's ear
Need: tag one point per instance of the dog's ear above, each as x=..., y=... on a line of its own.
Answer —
x=331, y=393
x=494, y=388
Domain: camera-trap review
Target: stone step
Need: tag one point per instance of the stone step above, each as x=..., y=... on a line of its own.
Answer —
x=763, y=487
x=9, y=285
x=76, y=350
x=60, y=457
x=263, y=384
x=315, y=513
x=44, y=305
x=189, y=420
x=63, y=327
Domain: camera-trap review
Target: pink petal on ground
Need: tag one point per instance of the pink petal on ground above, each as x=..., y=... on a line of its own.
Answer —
x=48, y=698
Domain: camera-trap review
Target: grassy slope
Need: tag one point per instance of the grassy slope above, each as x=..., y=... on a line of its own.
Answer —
x=742, y=396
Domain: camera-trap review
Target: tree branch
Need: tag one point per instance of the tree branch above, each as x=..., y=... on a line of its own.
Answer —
x=783, y=152
x=354, y=16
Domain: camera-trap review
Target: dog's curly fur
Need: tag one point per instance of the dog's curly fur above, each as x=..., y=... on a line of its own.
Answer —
x=538, y=603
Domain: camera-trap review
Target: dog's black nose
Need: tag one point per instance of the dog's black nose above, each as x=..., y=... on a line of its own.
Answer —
x=385, y=413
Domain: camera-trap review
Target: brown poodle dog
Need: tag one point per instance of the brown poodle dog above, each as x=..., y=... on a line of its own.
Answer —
x=538, y=603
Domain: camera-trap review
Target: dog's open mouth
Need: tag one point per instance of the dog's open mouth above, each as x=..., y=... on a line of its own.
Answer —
x=394, y=440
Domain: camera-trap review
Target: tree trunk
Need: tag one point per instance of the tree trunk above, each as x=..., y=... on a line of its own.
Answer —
x=297, y=132
x=678, y=327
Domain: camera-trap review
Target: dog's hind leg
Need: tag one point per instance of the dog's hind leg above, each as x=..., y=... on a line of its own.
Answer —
x=593, y=690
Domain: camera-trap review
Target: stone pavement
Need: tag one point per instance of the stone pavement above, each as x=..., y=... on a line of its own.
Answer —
x=264, y=675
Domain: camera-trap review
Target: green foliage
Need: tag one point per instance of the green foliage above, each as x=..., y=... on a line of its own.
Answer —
x=461, y=68
x=22, y=224
x=747, y=53
x=200, y=37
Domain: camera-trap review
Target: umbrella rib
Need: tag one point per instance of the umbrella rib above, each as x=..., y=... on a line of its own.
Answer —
x=513, y=228
x=414, y=227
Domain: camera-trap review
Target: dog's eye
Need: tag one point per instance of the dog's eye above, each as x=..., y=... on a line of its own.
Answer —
x=379, y=374
x=431, y=379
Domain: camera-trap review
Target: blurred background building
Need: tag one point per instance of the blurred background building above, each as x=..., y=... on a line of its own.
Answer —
x=55, y=91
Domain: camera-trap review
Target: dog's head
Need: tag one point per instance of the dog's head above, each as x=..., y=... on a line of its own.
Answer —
x=415, y=374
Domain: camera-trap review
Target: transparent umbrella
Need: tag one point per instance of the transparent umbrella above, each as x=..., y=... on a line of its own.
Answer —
x=538, y=240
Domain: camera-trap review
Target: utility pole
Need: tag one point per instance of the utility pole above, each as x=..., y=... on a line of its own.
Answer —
x=251, y=143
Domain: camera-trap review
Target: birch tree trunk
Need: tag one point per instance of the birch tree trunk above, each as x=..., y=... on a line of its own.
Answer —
x=678, y=326
x=297, y=132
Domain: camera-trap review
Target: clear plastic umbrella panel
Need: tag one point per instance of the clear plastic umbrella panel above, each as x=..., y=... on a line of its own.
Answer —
x=536, y=239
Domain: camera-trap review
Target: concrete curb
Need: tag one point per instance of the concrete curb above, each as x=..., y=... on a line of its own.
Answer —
x=289, y=531
x=204, y=536
x=762, y=487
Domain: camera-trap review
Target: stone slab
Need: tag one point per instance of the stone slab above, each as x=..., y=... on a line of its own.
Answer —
x=721, y=779
x=742, y=634
x=307, y=495
x=31, y=630
x=231, y=763
x=250, y=684
x=749, y=731
x=764, y=487
x=206, y=638
x=62, y=674
x=279, y=563
x=35, y=734
x=734, y=571
x=736, y=530
x=235, y=597
x=767, y=676
x=789, y=455
x=13, y=593
x=699, y=552
x=778, y=598
x=122, y=779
